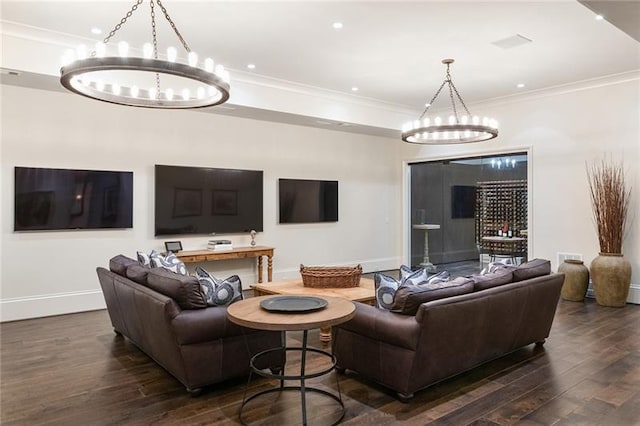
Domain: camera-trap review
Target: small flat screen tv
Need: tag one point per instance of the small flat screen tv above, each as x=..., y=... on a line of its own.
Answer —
x=200, y=200
x=463, y=201
x=57, y=199
x=308, y=201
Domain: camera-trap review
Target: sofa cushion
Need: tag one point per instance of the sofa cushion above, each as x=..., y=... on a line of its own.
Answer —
x=218, y=292
x=531, y=269
x=138, y=273
x=417, y=276
x=408, y=298
x=498, y=277
x=119, y=264
x=185, y=290
x=170, y=262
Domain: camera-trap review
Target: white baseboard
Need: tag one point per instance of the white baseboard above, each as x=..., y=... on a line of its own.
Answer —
x=634, y=293
x=20, y=308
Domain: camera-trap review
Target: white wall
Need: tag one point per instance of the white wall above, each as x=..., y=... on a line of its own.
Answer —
x=564, y=129
x=46, y=273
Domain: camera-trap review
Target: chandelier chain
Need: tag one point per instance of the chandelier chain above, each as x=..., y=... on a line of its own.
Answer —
x=155, y=45
x=122, y=21
x=175, y=29
x=453, y=101
x=432, y=100
x=461, y=100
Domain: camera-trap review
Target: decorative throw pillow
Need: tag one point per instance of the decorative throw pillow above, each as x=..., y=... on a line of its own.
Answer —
x=170, y=262
x=387, y=286
x=144, y=259
x=417, y=276
x=219, y=292
x=408, y=298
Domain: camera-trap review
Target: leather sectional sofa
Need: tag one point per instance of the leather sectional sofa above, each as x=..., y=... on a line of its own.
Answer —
x=500, y=313
x=164, y=314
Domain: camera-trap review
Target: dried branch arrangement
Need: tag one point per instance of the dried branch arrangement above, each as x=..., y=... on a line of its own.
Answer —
x=609, y=202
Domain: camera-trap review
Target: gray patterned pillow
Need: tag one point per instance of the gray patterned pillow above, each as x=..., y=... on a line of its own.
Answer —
x=144, y=259
x=219, y=292
x=387, y=286
x=170, y=262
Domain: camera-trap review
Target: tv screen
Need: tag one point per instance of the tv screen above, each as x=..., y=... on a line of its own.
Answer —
x=199, y=200
x=307, y=201
x=463, y=201
x=54, y=199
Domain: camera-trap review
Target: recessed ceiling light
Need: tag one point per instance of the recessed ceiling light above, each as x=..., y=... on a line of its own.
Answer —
x=520, y=85
x=96, y=31
x=337, y=25
x=251, y=66
x=354, y=89
x=599, y=17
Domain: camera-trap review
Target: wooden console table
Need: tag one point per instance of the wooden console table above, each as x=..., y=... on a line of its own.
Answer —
x=236, y=253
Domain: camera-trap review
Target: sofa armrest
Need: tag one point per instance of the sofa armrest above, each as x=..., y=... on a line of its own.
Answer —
x=385, y=326
x=204, y=325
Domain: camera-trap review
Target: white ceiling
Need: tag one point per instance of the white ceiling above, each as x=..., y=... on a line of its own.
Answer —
x=390, y=50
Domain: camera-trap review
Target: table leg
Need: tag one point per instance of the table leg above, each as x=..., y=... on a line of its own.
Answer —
x=303, y=396
x=260, y=269
x=325, y=334
x=426, y=263
x=269, y=268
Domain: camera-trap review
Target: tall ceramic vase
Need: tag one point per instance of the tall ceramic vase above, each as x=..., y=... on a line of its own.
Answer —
x=611, y=277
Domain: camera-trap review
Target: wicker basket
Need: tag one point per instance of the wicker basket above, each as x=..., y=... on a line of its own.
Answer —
x=330, y=276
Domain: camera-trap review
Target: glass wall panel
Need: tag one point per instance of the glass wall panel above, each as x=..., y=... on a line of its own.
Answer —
x=444, y=207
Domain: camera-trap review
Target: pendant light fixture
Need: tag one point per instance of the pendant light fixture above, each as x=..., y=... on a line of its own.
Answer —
x=112, y=74
x=454, y=129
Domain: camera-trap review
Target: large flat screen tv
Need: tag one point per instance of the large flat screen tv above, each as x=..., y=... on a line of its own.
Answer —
x=54, y=199
x=308, y=201
x=200, y=200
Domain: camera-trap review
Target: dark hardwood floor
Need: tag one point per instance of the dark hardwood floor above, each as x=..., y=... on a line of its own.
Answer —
x=74, y=370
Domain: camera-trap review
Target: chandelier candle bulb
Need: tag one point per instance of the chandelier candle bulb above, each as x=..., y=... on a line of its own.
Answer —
x=115, y=89
x=123, y=49
x=169, y=94
x=452, y=119
x=134, y=91
x=172, y=54
x=193, y=59
x=185, y=94
x=200, y=93
x=437, y=121
x=153, y=93
x=100, y=85
x=101, y=49
x=219, y=70
x=208, y=65
x=426, y=122
x=147, y=50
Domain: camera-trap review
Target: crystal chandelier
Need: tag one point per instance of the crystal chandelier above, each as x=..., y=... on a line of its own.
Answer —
x=110, y=74
x=455, y=129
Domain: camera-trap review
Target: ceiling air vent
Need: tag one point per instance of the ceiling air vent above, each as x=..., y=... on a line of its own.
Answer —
x=512, y=41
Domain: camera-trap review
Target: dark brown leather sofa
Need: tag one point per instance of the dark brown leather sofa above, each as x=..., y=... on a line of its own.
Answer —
x=162, y=315
x=448, y=336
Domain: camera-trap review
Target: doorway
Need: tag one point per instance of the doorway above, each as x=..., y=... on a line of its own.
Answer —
x=460, y=208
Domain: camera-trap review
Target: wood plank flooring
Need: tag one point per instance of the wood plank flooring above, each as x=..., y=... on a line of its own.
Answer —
x=73, y=370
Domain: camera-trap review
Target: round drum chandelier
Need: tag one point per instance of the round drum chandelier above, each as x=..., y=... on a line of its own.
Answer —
x=454, y=129
x=110, y=74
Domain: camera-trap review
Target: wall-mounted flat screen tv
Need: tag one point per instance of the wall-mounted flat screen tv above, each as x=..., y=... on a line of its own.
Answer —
x=463, y=201
x=200, y=200
x=308, y=201
x=54, y=199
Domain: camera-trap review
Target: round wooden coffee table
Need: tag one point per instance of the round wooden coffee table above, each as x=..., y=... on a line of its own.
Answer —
x=248, y=313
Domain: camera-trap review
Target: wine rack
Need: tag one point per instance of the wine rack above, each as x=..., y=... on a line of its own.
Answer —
x=501, y=204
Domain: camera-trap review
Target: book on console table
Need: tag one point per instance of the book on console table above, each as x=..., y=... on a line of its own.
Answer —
x=220, y=247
